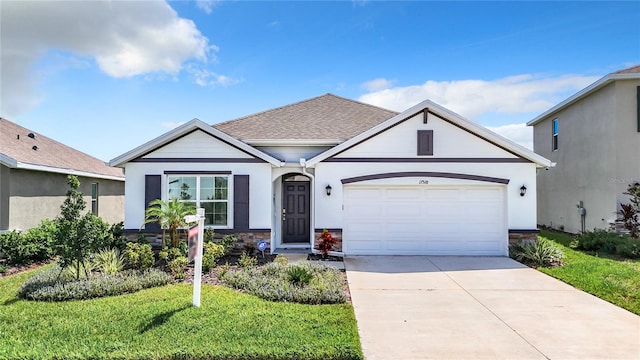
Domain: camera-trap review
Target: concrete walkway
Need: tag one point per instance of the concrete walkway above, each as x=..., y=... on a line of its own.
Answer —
x=445, y=307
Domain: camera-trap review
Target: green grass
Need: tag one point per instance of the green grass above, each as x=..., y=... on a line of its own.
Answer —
x=616, y=281
x=160, y=323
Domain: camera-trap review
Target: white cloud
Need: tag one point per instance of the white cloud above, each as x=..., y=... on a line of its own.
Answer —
x=518, y=133
x=377, y=84
x=126, y=38
x=171, y=125
x=204, y=77
x=472, y=98
x=206, y=5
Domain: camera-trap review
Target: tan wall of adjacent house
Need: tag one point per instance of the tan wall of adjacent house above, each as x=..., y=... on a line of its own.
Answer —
x=596, y=158
x=35, y=195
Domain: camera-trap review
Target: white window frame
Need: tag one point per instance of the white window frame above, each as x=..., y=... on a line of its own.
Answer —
x=197, y=200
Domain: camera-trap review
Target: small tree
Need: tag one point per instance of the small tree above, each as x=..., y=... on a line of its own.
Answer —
x=170, y=215
x=77, y=236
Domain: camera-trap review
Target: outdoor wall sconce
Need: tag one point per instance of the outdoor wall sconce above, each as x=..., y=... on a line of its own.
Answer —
x=328, y=189
x=523, y=190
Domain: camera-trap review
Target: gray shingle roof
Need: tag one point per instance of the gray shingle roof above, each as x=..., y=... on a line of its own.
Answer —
x=326, y=117
x=633, y=69
x=16, y=144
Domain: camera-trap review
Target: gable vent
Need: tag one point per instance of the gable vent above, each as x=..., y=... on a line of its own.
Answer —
x=32, y=135
x=35, y=148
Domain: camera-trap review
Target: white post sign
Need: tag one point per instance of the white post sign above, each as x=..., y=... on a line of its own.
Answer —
x=197, y=270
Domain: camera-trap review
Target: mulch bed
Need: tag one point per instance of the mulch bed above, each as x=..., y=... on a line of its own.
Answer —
x=211, y=277
x=12, y=270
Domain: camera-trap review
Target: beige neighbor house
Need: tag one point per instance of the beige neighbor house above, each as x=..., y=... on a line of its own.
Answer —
x=33, y=179
x=594, y=137
x=423, y=181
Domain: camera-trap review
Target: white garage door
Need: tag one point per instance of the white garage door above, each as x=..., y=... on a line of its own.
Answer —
x=435, y=220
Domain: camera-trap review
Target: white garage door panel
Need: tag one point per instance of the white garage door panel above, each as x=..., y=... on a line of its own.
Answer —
x=451, y=220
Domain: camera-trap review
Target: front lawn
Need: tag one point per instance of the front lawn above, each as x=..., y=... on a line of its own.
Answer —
x=160, y=323
x=616, y=281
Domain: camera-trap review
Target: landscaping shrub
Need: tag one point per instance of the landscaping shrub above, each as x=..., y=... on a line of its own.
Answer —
x=178, y=266
x=598, y=240
x=247, y=261
x=3, y=269
x=271, y=282
x=212, y=252
x=170, y=253
x=542, y=252
x=32, y=246
x=49, y=285
x=281, y=259
x=109, y=261
x=138, y=256
x=604, y=241
x=229, y=242
x=325, y=242
x=298, y=275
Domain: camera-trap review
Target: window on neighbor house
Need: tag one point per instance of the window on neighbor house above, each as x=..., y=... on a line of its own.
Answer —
x=555, y=135
x=94, y=199
x=210, y=192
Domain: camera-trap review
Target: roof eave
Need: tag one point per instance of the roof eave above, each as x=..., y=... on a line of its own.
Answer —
x=52, y=169
x=183, y=129
x=8, y=161
x=293, y=142
x=604, y=81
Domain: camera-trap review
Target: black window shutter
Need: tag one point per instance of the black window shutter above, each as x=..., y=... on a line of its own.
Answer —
x=152, y=191
x=425, y=142
x=241, y=202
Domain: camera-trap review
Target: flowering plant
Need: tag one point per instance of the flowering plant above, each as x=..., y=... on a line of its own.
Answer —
x=325, y=243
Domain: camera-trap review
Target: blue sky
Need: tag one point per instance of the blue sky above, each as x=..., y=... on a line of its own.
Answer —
x=105, y=77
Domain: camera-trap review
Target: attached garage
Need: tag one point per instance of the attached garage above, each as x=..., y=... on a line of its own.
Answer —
x=425, y=219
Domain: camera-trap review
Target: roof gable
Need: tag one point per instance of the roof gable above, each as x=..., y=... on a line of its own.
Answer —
x=37, y=152
x=449, y=141
x=327, y=118
x=184, y=130
x=631, y=73
x=446, y=115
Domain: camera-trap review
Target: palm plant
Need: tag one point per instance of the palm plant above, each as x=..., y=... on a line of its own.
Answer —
x=170, y=215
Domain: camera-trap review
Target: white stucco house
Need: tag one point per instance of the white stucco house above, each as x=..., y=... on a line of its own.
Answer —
x=424, y=181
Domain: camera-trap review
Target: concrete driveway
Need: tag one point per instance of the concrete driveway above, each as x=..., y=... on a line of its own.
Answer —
x=447, y=307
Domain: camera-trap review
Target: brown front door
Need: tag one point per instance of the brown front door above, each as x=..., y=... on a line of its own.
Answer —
x=295, y=211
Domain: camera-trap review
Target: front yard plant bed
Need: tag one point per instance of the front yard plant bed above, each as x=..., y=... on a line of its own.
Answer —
x=614, y=280
x=160, y=323
x=305, y=282
x=52, y=284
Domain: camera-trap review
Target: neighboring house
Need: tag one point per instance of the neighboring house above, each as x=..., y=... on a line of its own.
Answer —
x=594, y=137
x=33, y=179
x=424, y=181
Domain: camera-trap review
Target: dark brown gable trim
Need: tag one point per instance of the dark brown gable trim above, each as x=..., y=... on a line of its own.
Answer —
x=189, y=133
x=428, y=160
x=196, y=172
x=197, y=160
x=424, y=174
